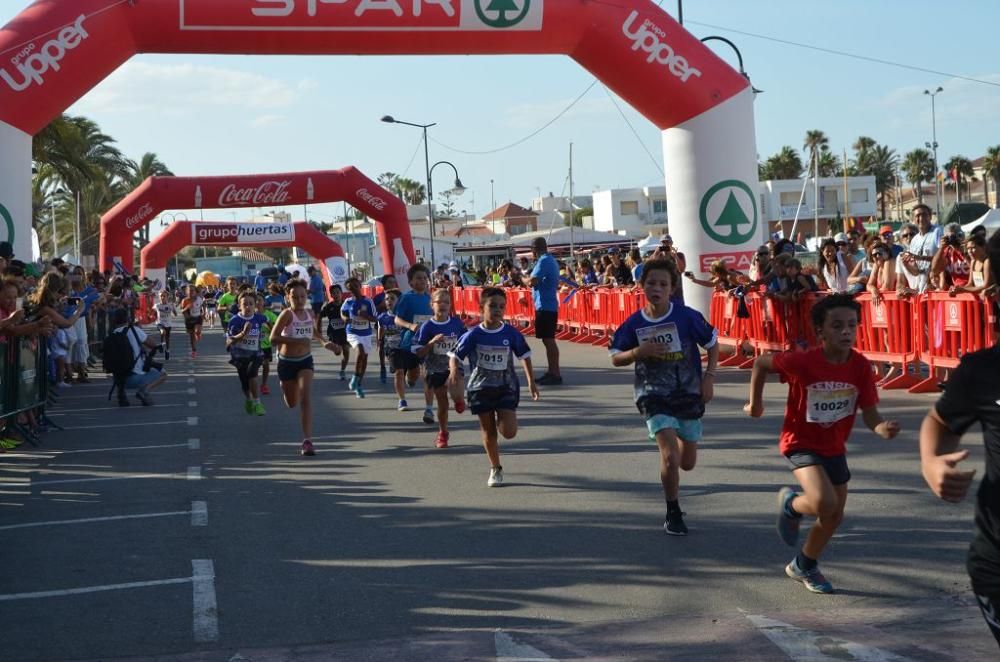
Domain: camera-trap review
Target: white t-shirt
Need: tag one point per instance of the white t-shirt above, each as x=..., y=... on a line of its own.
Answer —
x=136, y=337
x=927, y=245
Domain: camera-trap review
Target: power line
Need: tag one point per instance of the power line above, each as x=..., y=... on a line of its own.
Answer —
x=527, y=137
x=632, y=128
x=420, y=142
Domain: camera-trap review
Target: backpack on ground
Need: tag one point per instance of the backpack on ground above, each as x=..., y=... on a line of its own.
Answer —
x=119, y=358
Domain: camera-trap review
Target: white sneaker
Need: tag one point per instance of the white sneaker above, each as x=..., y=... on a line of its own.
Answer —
x=496, y=477
x=64, y=384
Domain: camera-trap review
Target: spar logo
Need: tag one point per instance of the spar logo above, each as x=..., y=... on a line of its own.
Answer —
x=144, y=212
x=502, y=13
x=31, y=64
x=651, y=39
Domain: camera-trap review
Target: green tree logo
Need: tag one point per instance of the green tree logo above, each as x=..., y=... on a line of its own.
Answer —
x=502, y=13
x=732, y=225
x=8, y=223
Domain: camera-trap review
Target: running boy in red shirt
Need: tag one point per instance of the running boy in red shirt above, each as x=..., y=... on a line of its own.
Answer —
x=826, y=387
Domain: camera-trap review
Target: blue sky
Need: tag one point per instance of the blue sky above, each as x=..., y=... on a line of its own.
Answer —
x=229, y=115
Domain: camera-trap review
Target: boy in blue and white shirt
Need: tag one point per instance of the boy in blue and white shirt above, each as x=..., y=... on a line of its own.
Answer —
x=388, y=332
x=435, y=339
x=670, y=390
x=412, y=310
x=243, y=336
x=359, y=312
x=493, y=390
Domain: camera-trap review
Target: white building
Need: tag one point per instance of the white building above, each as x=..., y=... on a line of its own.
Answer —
x=854, y=196
x=634, y=210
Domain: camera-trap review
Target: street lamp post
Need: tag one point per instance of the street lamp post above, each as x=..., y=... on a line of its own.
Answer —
x=934, y=145
x=459, y=189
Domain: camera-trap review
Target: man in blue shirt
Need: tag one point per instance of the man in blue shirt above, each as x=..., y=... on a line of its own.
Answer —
x=545, y=294
x=317, y=290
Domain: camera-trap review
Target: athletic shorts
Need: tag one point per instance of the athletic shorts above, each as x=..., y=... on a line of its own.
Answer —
x=688, y=429
x=485, y=400
x=247, y=365
x=365, y=342
x=289, y=369
x=268, y=353
x=405, y=360
x=191, y=322
x=437, y=379
x=337, y=336
x=989, y=606
x=835, y=467
x=163, y=327
x=545, y=323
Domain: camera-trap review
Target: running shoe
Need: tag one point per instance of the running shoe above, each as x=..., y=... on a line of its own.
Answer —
x=788, y=526
x=813, y=579
x=674, y=524
x=359, y=392
x=382, y=375
x=402, y=406
x=459, y=406
x=194, y=355
x=264, y=390
x=343, y=375
x=353, y=384
x=442, y=440
x=8, y=444
x=496, y=477
x=166, y=355
x=307, y=448
x=144, y=398
x=248, y=406
x=549, y=379
x=258, y=408
x=429, y=416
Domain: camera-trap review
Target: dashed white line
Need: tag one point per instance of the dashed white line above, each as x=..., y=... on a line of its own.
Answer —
x=509, y=650
x=206, y=617
x=130, y=425
x=192, y=421
x=199, y=513
x=194, y=473
x=190, y=380
x=194, y=444
x=807, y=646
x=192, y=391
x=192, y=403
x=62, y=481
x=117, y=448
x=91, y=589
x=113, y=518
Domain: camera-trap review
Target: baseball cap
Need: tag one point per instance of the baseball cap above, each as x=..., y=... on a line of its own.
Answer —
x=885, y=229
x=840, y=237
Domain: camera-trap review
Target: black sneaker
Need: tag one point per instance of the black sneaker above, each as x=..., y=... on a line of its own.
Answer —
x=550, y=380
x=674, y=525
x=123, y=402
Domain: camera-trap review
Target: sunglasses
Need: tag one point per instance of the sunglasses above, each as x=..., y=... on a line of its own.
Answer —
x=841, y=243
x=907, y=236
x=886, y=234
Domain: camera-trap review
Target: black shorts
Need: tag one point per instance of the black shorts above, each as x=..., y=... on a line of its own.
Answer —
x=437, y=379
x=289, y=370
x=485, y=400
x=545, y=323
x=337, y=336
x=835, y=467
x=405, y=360
x=268, y=353
x=247, y=366
x=191, y=322
x=989, y=606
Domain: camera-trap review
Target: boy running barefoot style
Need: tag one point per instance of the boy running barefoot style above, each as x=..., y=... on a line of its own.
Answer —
x=670, y=390
x=243, y=336
x=435, y=340
x=293, y=334
x=265, y=343
x=826, y=387
x=493, y=391
x=191, y=309
x=359, y=313
x=412, y=310
x=164, y=312
x=336, y=326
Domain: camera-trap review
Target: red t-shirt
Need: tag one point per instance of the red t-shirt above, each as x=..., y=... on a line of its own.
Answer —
x=957, y=267
x=823, y=398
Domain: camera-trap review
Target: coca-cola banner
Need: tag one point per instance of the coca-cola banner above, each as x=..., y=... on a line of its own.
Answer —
x=230, y=234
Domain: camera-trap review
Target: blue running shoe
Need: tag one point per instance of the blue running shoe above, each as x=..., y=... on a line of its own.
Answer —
x=360, y=392
x=353, y=384
x=788, y=526
x=813, y=579
x=402, y=406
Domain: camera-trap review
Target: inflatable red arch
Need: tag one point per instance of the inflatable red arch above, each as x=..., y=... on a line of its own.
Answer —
x=55, y=51
x=158, y=194
x=156, y=254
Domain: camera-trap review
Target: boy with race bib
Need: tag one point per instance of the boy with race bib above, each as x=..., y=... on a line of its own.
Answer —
x=493, y=391
x=164, y=311
x=412, y=310
x=336, y=326
x=435, y=340
x=359, y=313
x=243, y=335
x=265, y=343
x=671, y=391
x=826, y=387
x=191, y=309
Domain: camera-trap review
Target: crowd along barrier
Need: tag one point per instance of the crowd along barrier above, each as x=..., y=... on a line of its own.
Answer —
x=25, y=385
x=947, y=328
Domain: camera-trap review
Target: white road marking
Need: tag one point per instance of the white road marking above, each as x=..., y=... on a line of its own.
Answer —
x=42, y=483
x=192, y=391
x=206, y=618
x=71, y=397
x=128, y=425
x=194, y=444
x=63, y=412
x=91, y=589
x=192, y=421
x=190, y=380
x=88, y=520
x=117, y=448
x=192, y=403
x=194, y=473
x=807, y=646
x=199, y=513
x=508, y=650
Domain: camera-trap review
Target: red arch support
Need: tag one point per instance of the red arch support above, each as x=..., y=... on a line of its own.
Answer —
x=157, y=253
x=54, y=52
x=158, y=194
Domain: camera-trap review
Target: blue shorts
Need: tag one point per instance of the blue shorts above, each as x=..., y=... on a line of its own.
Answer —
x=141, y=380
x=688, y=429
x=489, y=399
x=289, y=369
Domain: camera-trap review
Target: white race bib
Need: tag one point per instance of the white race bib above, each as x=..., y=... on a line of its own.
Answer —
x=277, y=307
x=664, y=334
x=420, y=319
x=490, y=357
x=829, y=402
x=392, y=339
x=358, y=324
x=447, y=344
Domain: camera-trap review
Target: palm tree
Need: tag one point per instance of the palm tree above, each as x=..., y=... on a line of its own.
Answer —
x=829, y=164
x=412, y=192
x=882, y=162
x=815, y=141
x=862, y=147
x=148, y=166
x=390, y=182
x=962, y=167
x=991, y=169
x=786, y=164
x=918, y=166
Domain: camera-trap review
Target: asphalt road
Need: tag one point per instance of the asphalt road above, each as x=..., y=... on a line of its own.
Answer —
x=192, y=531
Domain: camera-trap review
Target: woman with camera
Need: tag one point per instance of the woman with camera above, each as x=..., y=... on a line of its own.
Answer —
x=950, y=267
x=46, y=301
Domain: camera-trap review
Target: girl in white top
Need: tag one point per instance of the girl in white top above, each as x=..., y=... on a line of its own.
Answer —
x=164, y=311
x=292, y=338
x=980, y=275
x=833, y=267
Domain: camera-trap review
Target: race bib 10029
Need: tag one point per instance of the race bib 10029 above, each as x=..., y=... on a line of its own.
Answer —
x=491, y=357
x=664, y=334
x=829, y=402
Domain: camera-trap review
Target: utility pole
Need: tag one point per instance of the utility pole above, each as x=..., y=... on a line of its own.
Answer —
x=572, y=220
